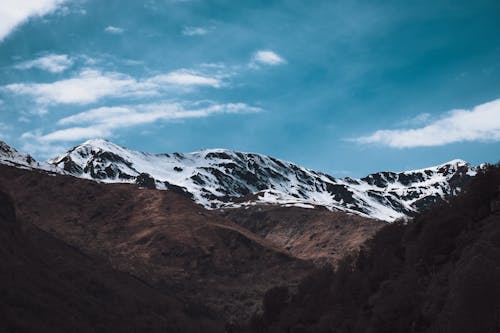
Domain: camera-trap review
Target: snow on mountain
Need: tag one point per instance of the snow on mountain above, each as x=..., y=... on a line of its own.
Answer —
x=10, y=156
x=220, y=178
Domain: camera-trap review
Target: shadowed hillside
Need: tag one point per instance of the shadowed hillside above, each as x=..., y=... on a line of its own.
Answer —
x=160, y=237
x=48, y=286
x=439, y=273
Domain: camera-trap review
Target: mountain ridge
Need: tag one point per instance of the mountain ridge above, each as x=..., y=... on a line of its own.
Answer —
x=223, y=179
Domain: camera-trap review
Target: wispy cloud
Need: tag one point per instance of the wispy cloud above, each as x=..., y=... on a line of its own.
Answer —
x=102, y=122
x=114, y=30
x=15, y=12
x=195, y=31
x=54, y=63
x=184, y=77
x=68, y=134
x=267, y=57
x=481, y=123
x=89, y=86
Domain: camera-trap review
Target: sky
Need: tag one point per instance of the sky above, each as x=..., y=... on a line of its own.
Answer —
x=345, y=87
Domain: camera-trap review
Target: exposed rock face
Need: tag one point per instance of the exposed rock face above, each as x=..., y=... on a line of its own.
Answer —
x=145, y=180
x=218, y=178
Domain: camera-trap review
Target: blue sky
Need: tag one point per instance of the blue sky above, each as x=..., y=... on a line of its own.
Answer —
x=345, y=87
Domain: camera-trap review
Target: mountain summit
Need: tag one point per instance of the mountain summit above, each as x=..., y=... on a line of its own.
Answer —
x=221, y=178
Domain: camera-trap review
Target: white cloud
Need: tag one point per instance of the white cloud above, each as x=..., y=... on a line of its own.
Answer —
x=54, y=63
x=64, y=135
x=114, y=30
x=184, y=77
x=482, y=123
x=195, y=31
x=89, y=86
x=102, y=122
x=15, y=12
x=74, y=134
x=267, y=57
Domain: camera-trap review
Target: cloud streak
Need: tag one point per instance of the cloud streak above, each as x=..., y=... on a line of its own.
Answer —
x=103, y=121
x=13, y=13
x=185, y=77
x=481, y=123
x=90, y=86
x=54, y=63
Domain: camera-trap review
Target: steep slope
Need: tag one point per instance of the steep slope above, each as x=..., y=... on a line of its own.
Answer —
x=48, y=286
x=160, y=237
x=219, y=178
x=438, y=273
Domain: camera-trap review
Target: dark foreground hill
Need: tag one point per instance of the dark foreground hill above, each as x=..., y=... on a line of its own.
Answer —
x=212, y=266
x=439, y=273
x=48, y=286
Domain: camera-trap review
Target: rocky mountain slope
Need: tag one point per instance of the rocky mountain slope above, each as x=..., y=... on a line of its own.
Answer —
x=219, y=178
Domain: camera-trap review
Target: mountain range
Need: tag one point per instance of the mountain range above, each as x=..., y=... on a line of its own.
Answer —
x=221, y=178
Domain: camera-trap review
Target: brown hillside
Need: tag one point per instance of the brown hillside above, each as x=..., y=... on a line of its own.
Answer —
x=160, y=237
x=48, y=286
x=310, y=234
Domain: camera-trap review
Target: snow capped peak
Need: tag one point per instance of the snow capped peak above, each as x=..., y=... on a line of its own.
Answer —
x=96, y=142
x=218, y=178
x=457, y=162
x=102, y=144
x=453, y=163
